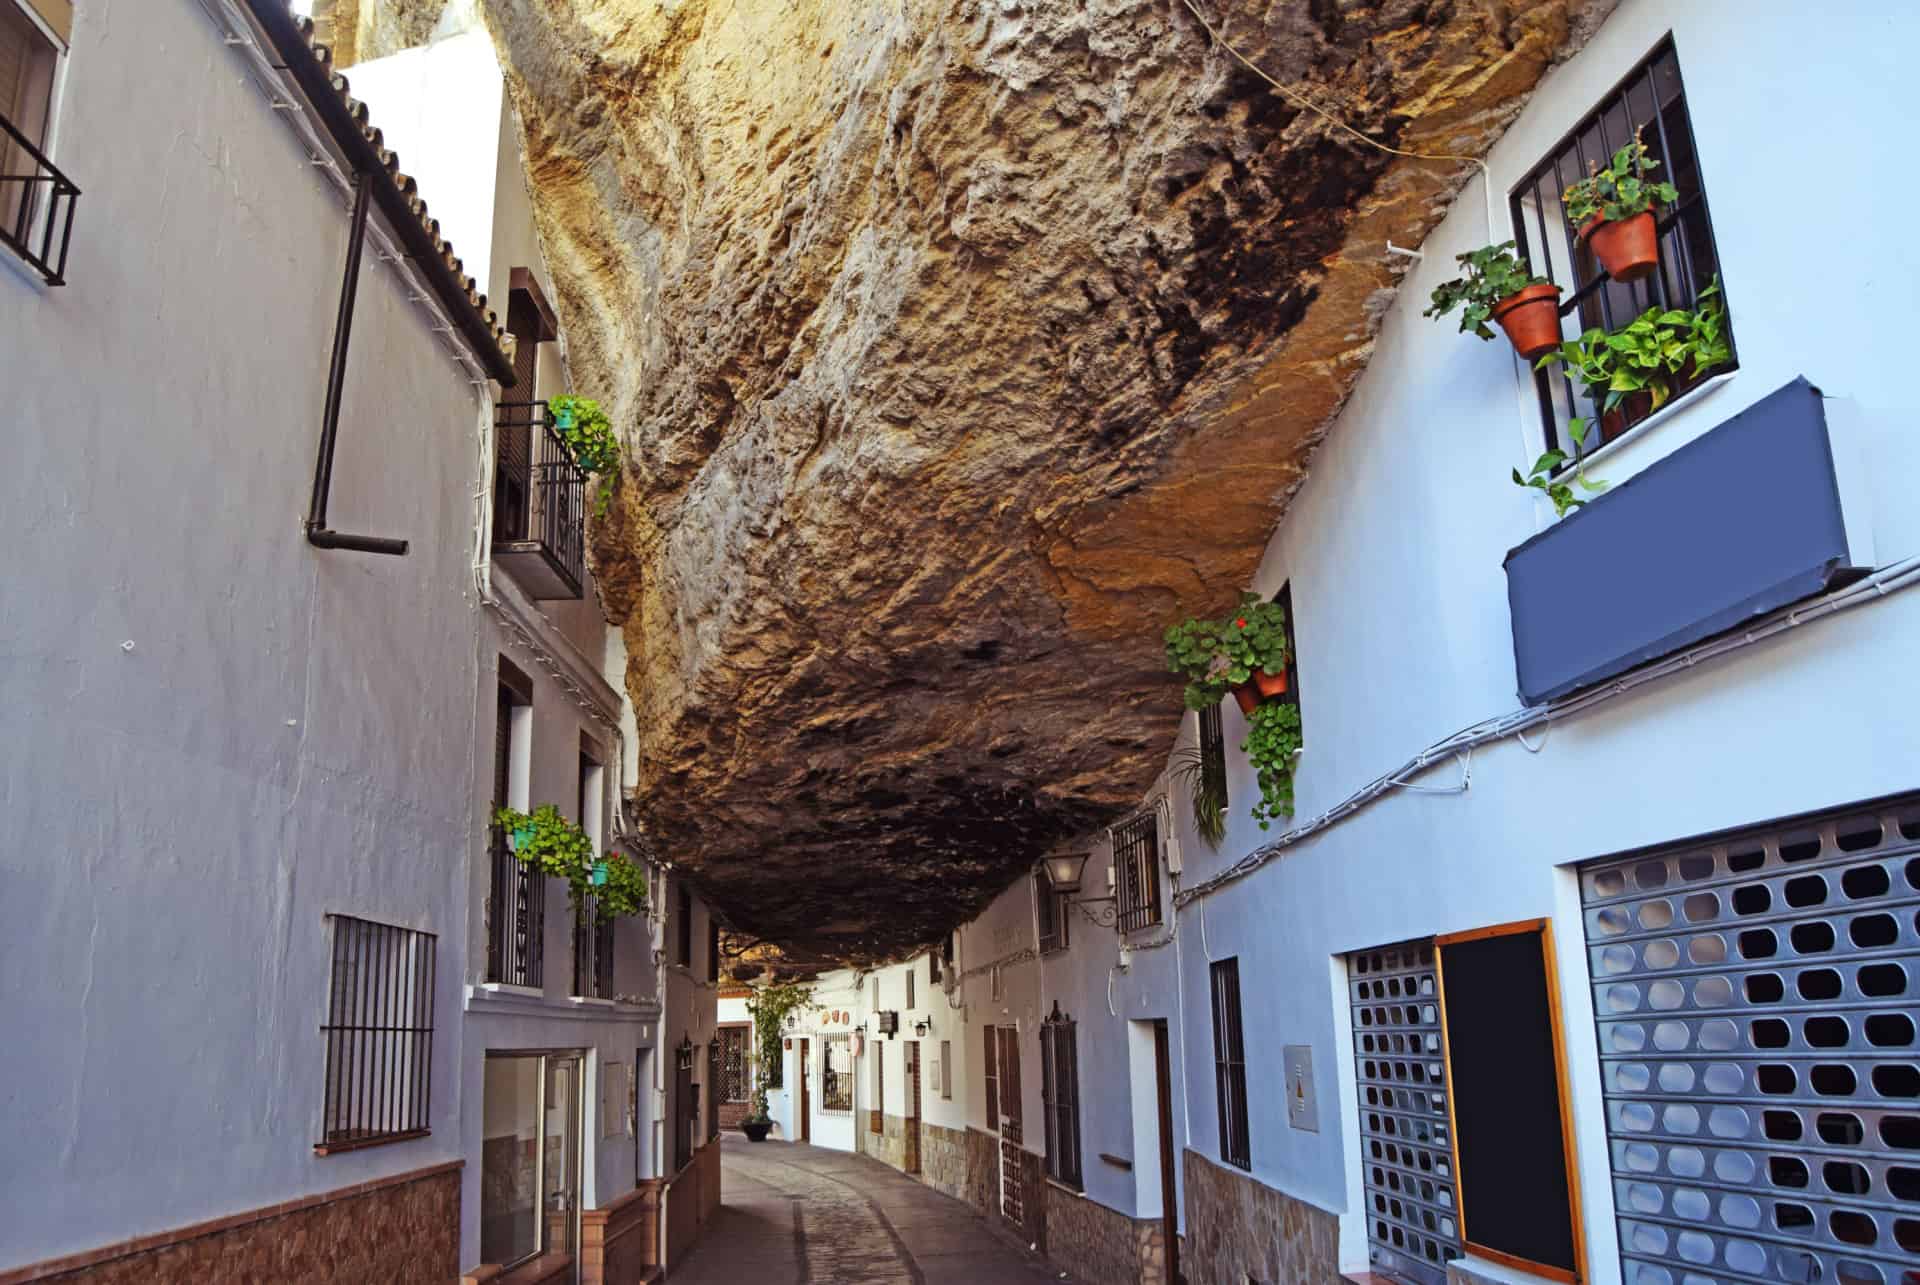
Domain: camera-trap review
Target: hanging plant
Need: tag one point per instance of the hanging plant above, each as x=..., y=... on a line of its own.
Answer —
x=546, y=841
x=770, y=1007
x=1273, y=738
x=1206, y=780
x=1245, y=654
x=1496, y=285
x=589, y=438
x=1612, y=210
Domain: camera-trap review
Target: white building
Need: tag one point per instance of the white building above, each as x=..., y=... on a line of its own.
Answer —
x=361, y=1036
x=1619, y=985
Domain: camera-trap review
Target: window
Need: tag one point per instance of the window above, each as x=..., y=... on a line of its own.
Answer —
x=713, y=948
x=686, y=1104
x=530, y=1153
x=714, y=1088
x=909, y=977
x=516, y=893
x=1230, y=1064
x=946, y=1070
x=948, y=951
x=36, y=200
x=836, y=1074
x=1285, y=599
x=1651, y=100
x=1060, y=1096
x=1050, y=909
x=1136, y=872
x=992, y=1079
x=1463, y=1104
x=1789, y=956
x=876, y=1118
x=683, y=907
x=592, y=935
x=1208, y=779
x=379, y=1035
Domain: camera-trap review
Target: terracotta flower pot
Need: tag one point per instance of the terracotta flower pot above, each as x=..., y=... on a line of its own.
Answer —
x=1249, y=698
x=1628, y=249
x=1633, y=408
x=1270, y=684
x=1531, y=319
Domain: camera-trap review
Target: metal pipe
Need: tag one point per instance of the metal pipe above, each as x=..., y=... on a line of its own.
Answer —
x=317, y=533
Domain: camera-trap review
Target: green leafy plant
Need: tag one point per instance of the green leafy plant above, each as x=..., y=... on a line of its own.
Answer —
x=555, y=846
x=1217, y=655
x=1646, y=354
x=1541, y=477
x=1273, y=737
x=1493, y=273
x=769, y=1007
x=589, y=438
x=1206, y=781
x=1620, y=190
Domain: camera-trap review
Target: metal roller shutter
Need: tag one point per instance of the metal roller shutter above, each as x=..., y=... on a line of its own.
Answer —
x=1757, y=997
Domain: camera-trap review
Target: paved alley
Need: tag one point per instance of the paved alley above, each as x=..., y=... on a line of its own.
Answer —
x=797, y=1213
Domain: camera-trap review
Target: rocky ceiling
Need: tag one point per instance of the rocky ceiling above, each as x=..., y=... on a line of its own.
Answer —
x=958, y=347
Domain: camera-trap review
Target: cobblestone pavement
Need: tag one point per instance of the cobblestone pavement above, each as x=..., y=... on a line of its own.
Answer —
x=793, y=1214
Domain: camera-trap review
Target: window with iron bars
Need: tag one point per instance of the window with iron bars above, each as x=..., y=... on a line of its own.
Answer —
x=1650, y=102
x=1136, y=872
x=592, y=952
x=1230, y=1064
x=1060, y=1096
x=1051, y=910
x=37, y=201
x=379, y=1035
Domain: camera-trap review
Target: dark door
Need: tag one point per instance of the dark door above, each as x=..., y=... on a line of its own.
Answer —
x=1012, y=1198
x=806, y=1094
x=1169, y=1194
x=912, y=1158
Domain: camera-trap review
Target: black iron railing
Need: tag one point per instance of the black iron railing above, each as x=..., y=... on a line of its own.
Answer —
x=592, y=953
x=539, y=493
x=516, y=913
x=36, y=205
x=379, y=1034
x=1136, y=869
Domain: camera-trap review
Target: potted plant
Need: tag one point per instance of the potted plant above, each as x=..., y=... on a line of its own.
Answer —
x=1273, y=739
x=1612, y=210
x=1245, y=654
x=546, y=841
x=588, y=436
x=1497, y=286
x=757, y=1123
x=770, y=1006
x=1637, y=369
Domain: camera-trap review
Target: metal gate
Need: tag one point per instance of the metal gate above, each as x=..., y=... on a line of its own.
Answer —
x=1757, y=996
x=734, y=1086
x=1012, y=1189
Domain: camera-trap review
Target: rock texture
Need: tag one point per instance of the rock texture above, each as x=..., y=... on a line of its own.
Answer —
x=959, y=346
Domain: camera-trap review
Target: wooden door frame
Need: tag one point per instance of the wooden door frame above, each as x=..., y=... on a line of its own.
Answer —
x=1169, y=1188
x=806, y=1094
x=911, y=1142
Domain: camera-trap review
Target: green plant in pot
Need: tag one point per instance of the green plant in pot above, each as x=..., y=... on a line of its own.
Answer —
x=546, y=841
x=1273, y=740
x=588, y=435
x=1206, y=782
x=1496, y=285
x=1246, y=654
x=769, y=1006
x=1612, y=210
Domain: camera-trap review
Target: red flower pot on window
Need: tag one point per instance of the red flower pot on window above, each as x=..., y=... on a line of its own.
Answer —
x=1249, y=698
x=1531, y=319
x=1628, y=248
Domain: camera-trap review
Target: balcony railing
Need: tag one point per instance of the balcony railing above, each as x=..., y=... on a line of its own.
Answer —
x=516, y=917
x=36, y=205
x=539, y=503
x=592, y=953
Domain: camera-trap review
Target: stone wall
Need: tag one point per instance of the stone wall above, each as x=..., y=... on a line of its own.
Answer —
x=983, y=1171
x=943, y=1160
x=404, y=1228
x=889, y=1146
x=1092, y=1241
x=1240, y=1230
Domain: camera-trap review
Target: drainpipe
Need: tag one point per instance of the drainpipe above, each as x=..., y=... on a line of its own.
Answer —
x=318, y=534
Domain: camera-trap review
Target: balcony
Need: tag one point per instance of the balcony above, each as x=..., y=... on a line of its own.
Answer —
x=36, y=205
x=539, y=504
x=592, y=953
x=516, y=918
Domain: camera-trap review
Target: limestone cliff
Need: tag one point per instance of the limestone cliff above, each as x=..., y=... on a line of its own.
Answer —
x=958, y=347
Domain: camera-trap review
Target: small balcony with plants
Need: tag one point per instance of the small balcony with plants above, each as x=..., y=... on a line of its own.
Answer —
x=544, y=454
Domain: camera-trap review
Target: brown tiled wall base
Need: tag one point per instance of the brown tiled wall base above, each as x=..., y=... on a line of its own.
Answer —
x=983, y=1171
x=691, y=1198
x=1238, y=1228
x=618, y=1242
x=943, y=1160
x=1033, y=1180
x=1096, y=1243
x=548, y=1269
x=404, y=1228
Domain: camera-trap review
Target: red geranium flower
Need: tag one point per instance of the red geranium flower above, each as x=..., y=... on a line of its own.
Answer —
x=1240, y=623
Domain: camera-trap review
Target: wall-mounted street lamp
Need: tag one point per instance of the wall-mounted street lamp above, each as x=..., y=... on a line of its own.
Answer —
x=1064, y=873
x=921, y=1027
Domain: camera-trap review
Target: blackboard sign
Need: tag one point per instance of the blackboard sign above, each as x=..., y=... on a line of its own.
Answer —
x=1505, y=1083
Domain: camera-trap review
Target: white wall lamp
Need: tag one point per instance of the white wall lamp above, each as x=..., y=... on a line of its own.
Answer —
x=1065, y=871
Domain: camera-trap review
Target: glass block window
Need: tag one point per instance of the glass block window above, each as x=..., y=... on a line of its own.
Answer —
x=1757, y=996
x=1406, y=1152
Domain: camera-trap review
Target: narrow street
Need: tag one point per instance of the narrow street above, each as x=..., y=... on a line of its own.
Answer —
x=798, y=1213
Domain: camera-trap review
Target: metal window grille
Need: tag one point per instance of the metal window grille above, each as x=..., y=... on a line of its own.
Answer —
x=1060, y=1096
x=1413, y=1228
x=516, y=918
x=909, y=977
x=991, y=1060
x=539, y=492
x=1285, y=599
x=1136, y=872
x=592, y=952
x=836, y=1074
x=686, y=1103
x=37, y=201
x=946, y=1070
x=734, y=1082
x=1213, y=752
x=683, y=903
x=1756, y=996
x=379, y=1034
x=713, y=949
x=1230, y=1064
x=714, y=1086
x=1651, y=99
x=1050, y=908
x=876, y=1117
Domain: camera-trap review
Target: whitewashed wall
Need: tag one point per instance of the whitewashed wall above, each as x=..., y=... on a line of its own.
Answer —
x=289, y=734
